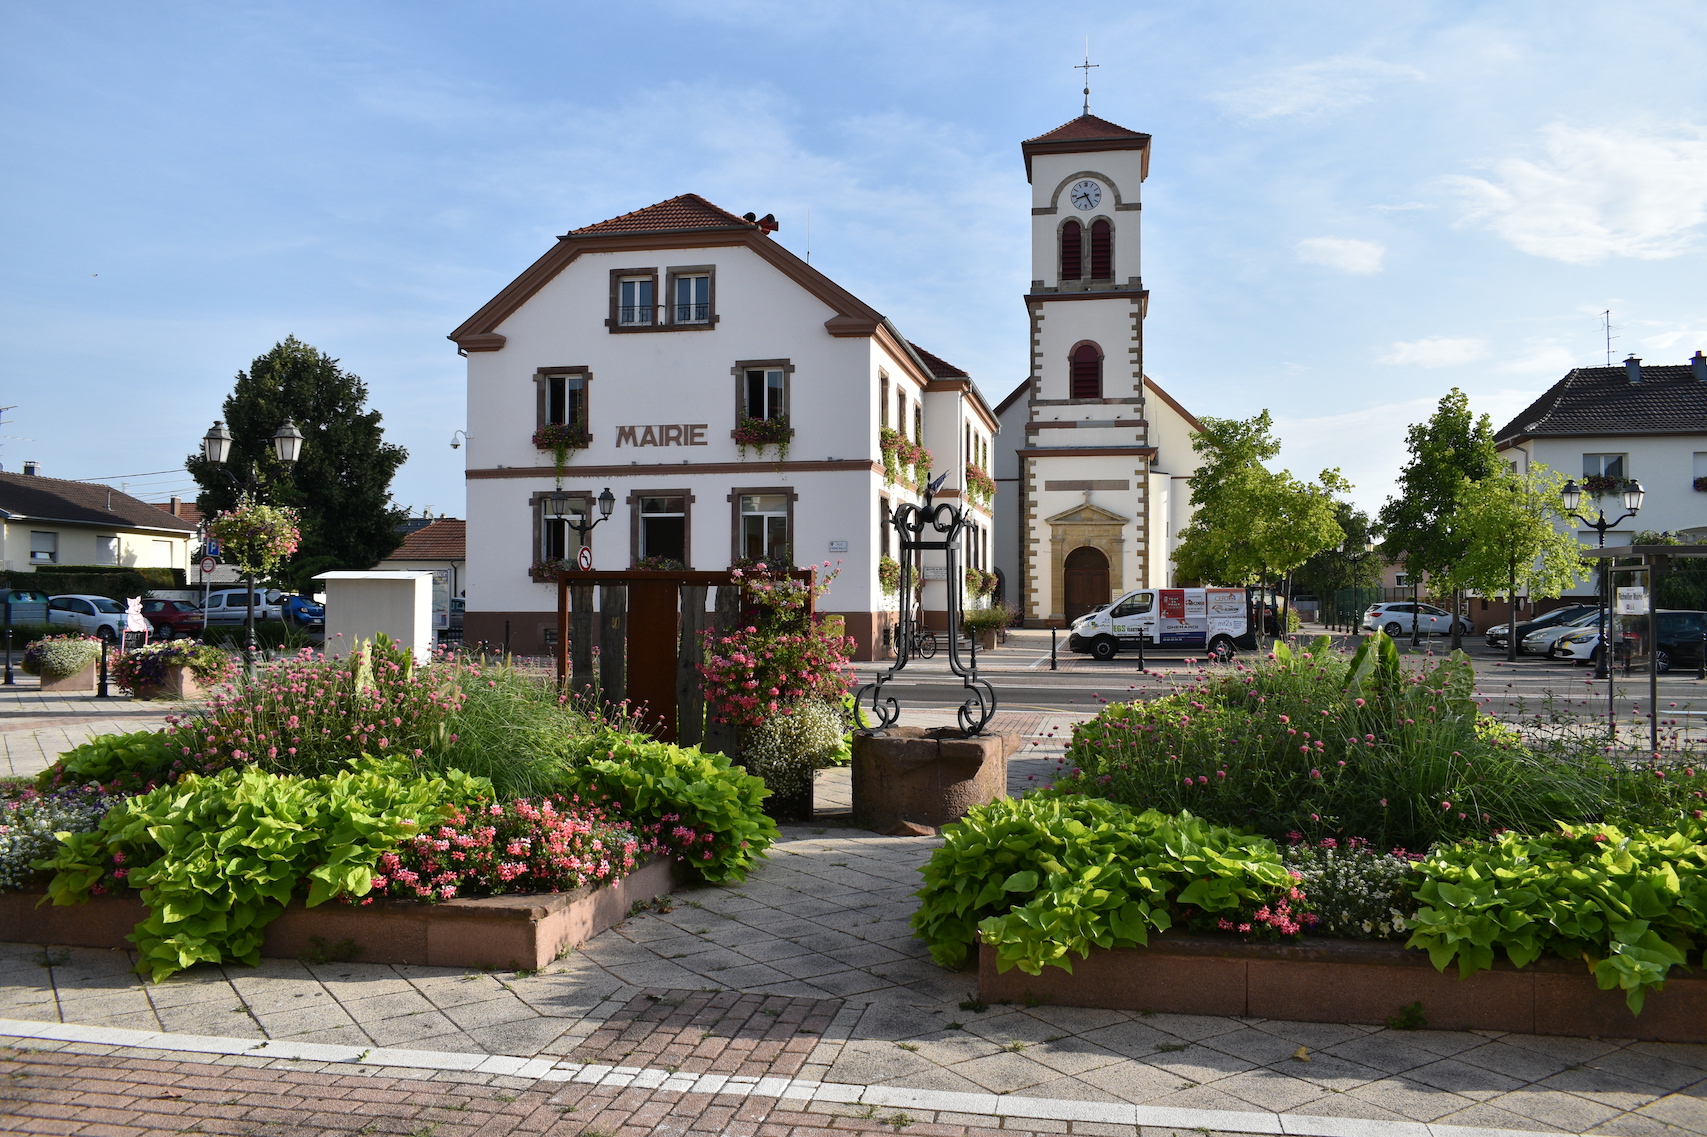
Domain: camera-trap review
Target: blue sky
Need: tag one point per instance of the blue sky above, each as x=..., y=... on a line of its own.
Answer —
x=1351, y=207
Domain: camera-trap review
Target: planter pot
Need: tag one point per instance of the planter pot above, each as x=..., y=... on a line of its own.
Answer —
x=987, y=640
x=1350, y=981
x=82, y=683
x=521, y=931
x=908, y=776
x=179, y=683
x=796, y=806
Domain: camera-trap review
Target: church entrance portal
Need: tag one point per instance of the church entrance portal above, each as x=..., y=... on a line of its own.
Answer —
x=1086, y=579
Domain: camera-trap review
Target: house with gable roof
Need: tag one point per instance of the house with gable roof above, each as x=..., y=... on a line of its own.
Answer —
x=638, y=347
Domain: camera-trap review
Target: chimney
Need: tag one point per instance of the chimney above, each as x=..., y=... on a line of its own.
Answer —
x=32, y=469
x=1633, y=369
x=177, y=505
x=1698, y=365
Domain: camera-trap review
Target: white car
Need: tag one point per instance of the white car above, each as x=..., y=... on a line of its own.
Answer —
x=1579, y=646
x=1395, y=619
x=92, y=615
x=1541, y=640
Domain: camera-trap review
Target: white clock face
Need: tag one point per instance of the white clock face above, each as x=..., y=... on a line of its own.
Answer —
x=1085, y=195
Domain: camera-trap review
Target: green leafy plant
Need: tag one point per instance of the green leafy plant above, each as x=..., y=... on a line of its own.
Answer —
x=1049, y=876
x=217, y=858
x=981, y=620
x=762, y=432
x=258, y=538
x=889, y=575
x=1630, y=905
x=903, y=457
x=30, y=820
x=980, y=486
x=1410, y=1017
x=560, y=438
x=59, y=657
x=655, y=783
x=118, y=763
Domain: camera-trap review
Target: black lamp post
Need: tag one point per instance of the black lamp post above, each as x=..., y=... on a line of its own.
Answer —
x=557, y=505
x=216, y=448
x=1352, y=560
x=1573, y=495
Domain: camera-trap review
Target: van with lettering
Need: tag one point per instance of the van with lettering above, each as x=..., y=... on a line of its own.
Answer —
x=1215, y=620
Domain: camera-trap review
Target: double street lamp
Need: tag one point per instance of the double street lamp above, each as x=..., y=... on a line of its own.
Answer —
x=557, y=506
x=216, y=448
x=1352, y=560
x=1573, y=496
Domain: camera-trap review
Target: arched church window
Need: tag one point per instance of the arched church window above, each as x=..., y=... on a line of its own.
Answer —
x=1087, y=372
x=1102, y=250
x=1072, y=250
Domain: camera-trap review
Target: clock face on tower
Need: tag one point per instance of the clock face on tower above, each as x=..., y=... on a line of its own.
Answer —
x=1085, y=194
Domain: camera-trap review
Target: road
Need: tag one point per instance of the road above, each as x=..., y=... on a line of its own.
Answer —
x=1020, y=674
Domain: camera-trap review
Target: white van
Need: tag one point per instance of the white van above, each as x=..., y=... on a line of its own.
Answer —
x=225, y=606
x=1214, y=619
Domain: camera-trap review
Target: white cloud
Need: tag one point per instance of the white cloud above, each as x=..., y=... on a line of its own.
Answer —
x=1596, y=194
x=1549, y=360
x=1343, y=253
x=1311, y=90
x=1436, y=351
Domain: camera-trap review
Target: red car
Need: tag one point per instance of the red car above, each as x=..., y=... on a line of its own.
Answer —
x=173, y=619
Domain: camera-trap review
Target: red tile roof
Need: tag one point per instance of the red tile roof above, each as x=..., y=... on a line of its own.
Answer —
x=687, y=212
x=187, y=510
x=941, y=368
x=444, y=540
x=1086, y=128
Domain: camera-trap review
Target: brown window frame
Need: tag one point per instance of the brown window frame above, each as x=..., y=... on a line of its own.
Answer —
x=675, y=273
x=542, y=402
x=617, y=276
x=633, y=503
x=735, y=496
x=882, y=399
x=739, y=371
x=883, y=540
x=536, y=508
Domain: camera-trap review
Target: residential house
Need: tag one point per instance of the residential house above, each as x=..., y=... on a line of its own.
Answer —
x=440, y=546
x=50, y=522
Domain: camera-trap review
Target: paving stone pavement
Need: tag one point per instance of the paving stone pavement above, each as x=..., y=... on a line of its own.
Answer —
x=36, y=728
x=824, y=920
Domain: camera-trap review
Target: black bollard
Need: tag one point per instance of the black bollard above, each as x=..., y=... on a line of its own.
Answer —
x=1052, y=649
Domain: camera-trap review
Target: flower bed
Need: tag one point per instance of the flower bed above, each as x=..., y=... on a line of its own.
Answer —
x=148, y=670
x=61, y=657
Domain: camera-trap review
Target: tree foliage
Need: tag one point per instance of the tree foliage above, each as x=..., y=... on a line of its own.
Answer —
x=341, y=485
x=1504, y=526
x=1328, y=571
x=1449, y=448
x=1250, y=522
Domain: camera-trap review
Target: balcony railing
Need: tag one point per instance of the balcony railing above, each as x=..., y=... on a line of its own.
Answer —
x=631, y=315
x=693, y=313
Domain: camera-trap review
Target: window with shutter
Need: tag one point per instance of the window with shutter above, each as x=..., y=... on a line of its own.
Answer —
x=1087, y=372
x=1072, y=251
x=1102, y=251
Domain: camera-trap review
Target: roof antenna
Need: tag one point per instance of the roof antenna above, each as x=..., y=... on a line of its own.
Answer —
x=1086, y=68
x=808, y=234
x=1608, y=325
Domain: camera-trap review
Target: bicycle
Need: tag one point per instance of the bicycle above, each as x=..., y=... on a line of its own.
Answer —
x=923, y=643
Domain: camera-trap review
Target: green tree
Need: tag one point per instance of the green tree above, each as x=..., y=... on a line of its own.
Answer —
x=342, y=483
x=1328, y=571
x=1250, y=524
x=1505, y=527
x=1449, y=448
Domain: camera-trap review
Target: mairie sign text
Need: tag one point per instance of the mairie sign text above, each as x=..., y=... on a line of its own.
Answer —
x=672, y=434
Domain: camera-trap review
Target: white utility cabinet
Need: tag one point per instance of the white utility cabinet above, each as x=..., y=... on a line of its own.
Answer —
x=361, y=605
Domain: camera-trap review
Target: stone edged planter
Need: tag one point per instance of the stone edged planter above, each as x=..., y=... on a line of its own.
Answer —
x=520, y=931
x=82, y=683
x=1349, y=981
x=180, y=683
x=910, y=775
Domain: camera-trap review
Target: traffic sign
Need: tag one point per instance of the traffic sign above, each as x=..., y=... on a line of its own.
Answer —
x=208, y=565
x=211, y=547
x=584, y=558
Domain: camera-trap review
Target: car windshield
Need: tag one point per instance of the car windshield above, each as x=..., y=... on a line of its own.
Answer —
x=102, y=604
x=1586, y=619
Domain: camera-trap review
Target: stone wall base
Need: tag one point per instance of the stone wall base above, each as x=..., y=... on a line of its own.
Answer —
x=1350, y=981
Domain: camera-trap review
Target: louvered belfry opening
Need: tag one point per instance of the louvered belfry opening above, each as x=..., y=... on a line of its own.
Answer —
x=1087, y=372
x=1072, y=250
x=1102, y=250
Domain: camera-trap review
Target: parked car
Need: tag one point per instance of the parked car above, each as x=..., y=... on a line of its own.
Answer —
x=1541, y=640
x=172, y=619
x=1497, y=633
x=458, y=609
x=1680, y=642
x=1577, y=646
x=1395, y=619
x=28, y=605
x=231, y=606
x=302, y=612
x=92, y=615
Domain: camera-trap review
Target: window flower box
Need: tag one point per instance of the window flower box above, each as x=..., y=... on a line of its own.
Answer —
x=1603, y=485
x=1700, y=485
x=762, y=432
x=980, y=486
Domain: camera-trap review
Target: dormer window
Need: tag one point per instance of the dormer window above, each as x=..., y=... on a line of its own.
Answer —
x=1072, y=251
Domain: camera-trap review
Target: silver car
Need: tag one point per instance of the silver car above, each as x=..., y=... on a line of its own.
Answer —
x=231, y=606
x=92, y=615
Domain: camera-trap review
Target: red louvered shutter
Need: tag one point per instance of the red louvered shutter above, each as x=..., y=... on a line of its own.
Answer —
x=1072, y=249
x=1102, y=251
x=1087, y=372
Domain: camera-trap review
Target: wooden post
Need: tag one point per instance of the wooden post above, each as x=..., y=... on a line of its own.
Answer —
x=652, y=653
x=581, y=638
x=720, y=736
x=690, y=692
x=562, y=645
x=613, y=643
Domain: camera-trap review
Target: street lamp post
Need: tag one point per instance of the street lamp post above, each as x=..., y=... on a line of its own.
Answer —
x=1353, y=560
x=558, y=506
x=1573, y=496
x=216, y=448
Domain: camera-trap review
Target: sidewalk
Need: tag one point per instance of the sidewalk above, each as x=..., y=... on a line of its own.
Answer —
x=806, y=984
x=36, y=728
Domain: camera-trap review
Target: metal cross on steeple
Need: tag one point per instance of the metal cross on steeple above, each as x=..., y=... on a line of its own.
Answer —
x=1086, y=68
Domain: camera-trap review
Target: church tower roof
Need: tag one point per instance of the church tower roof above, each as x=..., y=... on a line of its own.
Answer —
x=1085, y=134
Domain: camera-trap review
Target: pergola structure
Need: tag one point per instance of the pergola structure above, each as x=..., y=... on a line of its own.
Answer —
x=1654, y=559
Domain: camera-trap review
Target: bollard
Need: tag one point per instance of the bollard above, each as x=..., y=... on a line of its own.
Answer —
x=1141, y=638
x=102, y=693
x=1700, y=669
x=10, y=682
x=1052, y=649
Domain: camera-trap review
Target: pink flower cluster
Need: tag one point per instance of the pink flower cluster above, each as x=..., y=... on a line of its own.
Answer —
x=552, y=845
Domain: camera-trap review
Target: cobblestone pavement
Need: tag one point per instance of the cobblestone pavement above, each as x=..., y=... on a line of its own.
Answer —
x=36, y=728
x=819, y=932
